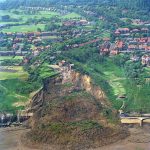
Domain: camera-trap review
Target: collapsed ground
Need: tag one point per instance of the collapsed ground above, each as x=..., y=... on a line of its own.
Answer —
x=72, y=118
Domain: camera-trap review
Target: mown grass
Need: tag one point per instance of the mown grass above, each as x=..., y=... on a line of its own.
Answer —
x=7, y=75
x=48, y=14
x=24, y=17
x=10, y=57
x=20, y=73
x=71, y=16
x=24, y=28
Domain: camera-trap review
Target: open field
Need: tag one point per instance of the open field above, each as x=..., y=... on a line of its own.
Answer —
x=24, y=28
x=9, y=82
x=48, y=14
x=12, y=72
x=71, y=16
x=24, y=17
x=10, y=58
x=15, y=89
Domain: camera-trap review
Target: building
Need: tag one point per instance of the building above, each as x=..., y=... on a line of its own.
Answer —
x=123, y=30
x=146, y=60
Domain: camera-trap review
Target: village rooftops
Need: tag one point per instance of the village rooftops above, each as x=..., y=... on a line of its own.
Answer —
x=83, y=22
x=114, y=52
x=106, y=39
x=127, y=30
x=146, y=60
x=134, y=58
x=123, y=29
x=119, y=44
x=132, y=47
x=135, y=30
x=117, y=32
x=144, y=29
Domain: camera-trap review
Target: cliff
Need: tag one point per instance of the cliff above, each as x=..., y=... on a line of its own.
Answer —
x=70, y=112
x=85, y=82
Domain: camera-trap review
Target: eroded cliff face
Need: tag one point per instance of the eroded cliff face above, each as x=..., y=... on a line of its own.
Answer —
x=37, y=100
x=53, y=86
x=85, y=82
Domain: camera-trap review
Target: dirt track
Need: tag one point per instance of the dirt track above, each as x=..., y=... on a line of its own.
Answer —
x=139, y=140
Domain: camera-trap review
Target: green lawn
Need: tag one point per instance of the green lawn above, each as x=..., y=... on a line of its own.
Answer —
x=10, y=58
x=48, y=14
x=24, y=28
x=20, y=73
x=24, y=17
x=71, y=16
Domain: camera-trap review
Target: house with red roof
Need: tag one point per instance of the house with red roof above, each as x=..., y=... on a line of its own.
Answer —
x=123, y=30
x=146, y=60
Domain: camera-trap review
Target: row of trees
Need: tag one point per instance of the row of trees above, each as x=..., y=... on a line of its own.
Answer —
x=46, y=3
x=133, y=4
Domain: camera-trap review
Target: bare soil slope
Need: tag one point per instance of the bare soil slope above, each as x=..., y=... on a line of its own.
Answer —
x=71, y=118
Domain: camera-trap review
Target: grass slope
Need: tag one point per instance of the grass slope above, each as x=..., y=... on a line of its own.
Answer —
x=19, y=73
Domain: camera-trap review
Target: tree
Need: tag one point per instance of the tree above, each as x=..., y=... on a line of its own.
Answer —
x=51, y=26
x=5, y=18
x=39, y=30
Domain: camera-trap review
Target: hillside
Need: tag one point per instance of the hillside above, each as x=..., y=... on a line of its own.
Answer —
x=73, y=115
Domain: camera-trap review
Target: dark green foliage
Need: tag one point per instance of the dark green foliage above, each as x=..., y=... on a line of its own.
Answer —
x=51, y=27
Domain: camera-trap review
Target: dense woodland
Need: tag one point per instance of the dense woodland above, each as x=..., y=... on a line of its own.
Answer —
x=133, y=4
